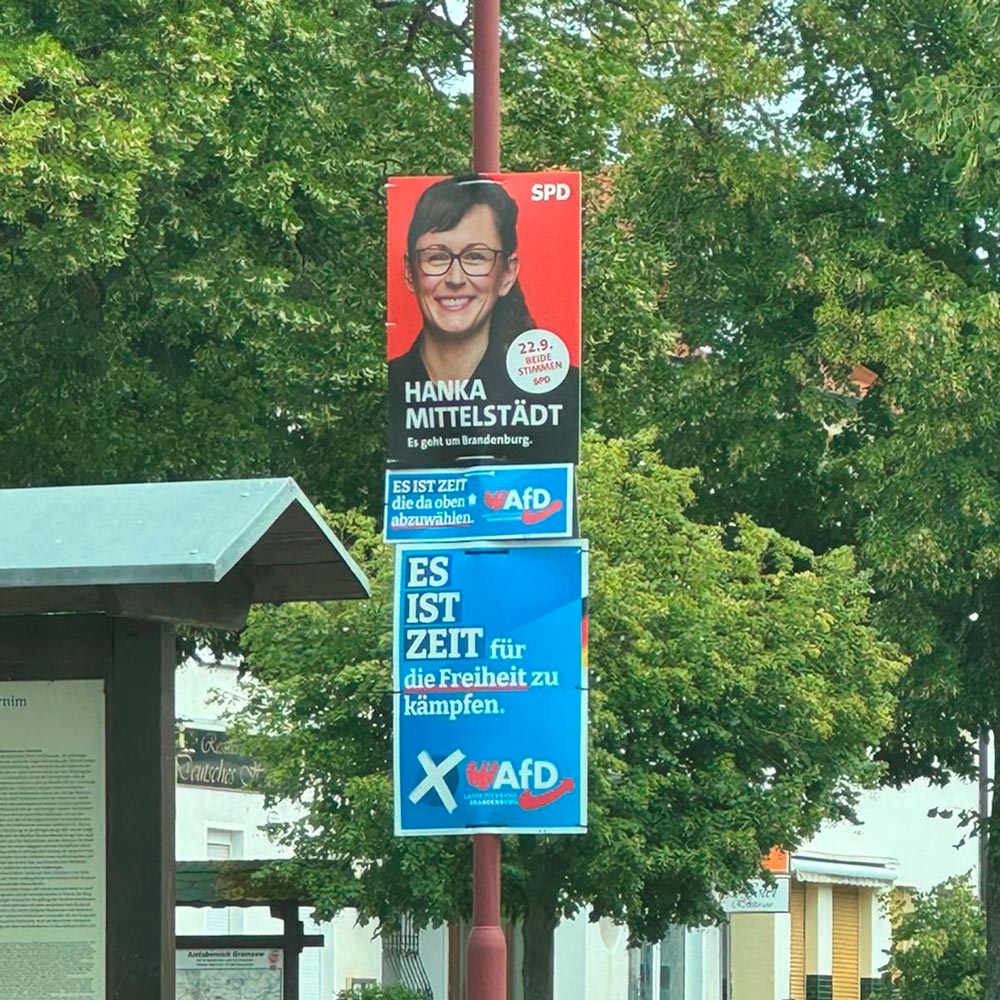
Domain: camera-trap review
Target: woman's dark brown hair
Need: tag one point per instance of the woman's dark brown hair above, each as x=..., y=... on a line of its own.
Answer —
x=443, y=205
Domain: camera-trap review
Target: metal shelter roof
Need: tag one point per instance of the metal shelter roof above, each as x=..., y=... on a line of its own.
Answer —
x=234, y=883
x=197, y=552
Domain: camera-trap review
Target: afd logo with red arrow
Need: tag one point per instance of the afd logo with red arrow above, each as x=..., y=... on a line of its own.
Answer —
x=534, y=503
x=534, y=783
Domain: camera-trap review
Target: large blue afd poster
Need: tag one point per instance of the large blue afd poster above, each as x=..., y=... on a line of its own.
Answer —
x=490, y=682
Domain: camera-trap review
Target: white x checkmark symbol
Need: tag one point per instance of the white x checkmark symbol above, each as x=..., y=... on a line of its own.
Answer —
x=435, y=778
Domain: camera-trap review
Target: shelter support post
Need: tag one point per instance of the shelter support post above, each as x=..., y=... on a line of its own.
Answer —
x=293, y=941
x=140, y=873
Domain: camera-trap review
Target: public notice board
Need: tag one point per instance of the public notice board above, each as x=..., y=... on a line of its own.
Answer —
x=483, y=327
x=490, y=688
x=217, y=973
x=52, y=840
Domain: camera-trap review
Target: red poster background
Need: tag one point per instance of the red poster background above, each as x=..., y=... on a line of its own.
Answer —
x=548, y=233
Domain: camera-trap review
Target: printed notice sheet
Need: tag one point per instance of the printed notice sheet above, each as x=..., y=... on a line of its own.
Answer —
x=52, y=840
x=215, y=973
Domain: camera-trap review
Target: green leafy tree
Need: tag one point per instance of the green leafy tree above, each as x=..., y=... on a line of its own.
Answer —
x=825, y=176
x=938, y=946
x=190, y=210
x=192, y=222
x=735, y=689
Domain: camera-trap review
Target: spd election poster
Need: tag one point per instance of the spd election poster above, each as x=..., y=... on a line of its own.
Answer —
x=483, y=326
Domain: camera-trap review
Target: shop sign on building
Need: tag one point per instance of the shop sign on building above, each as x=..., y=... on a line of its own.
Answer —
x=760, y=897
x=203, y=759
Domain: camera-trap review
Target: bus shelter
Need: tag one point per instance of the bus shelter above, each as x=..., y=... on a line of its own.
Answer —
x=93, y=582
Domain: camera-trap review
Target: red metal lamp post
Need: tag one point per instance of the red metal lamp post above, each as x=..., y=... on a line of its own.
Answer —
x=486, y=957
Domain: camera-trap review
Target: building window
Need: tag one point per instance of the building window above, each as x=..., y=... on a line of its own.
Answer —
x=224, y=845
x=846, y=938
x=310, y=974
x=656, y=971
x=671, y=985
x=401, y=952
x=640, y=973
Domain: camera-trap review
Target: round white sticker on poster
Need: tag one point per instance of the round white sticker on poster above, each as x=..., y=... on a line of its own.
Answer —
x=537, y=361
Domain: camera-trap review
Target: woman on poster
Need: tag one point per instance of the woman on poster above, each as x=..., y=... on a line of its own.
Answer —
x=480, y=383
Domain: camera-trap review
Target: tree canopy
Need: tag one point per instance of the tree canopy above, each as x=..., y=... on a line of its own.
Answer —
x=736, y=686
x=938, y=945
x=824, y=210
x=192, y=223
x=834, y=205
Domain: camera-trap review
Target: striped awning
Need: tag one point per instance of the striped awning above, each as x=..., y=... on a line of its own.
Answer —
x=868, y=872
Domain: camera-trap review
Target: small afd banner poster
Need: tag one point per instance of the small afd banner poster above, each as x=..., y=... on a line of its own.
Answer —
x=494, y=501
x=483, y=328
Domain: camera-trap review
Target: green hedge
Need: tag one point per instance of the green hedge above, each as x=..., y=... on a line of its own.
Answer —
x=381, y=993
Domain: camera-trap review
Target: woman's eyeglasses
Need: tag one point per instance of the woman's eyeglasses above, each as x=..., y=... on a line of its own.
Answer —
x=476, y=262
